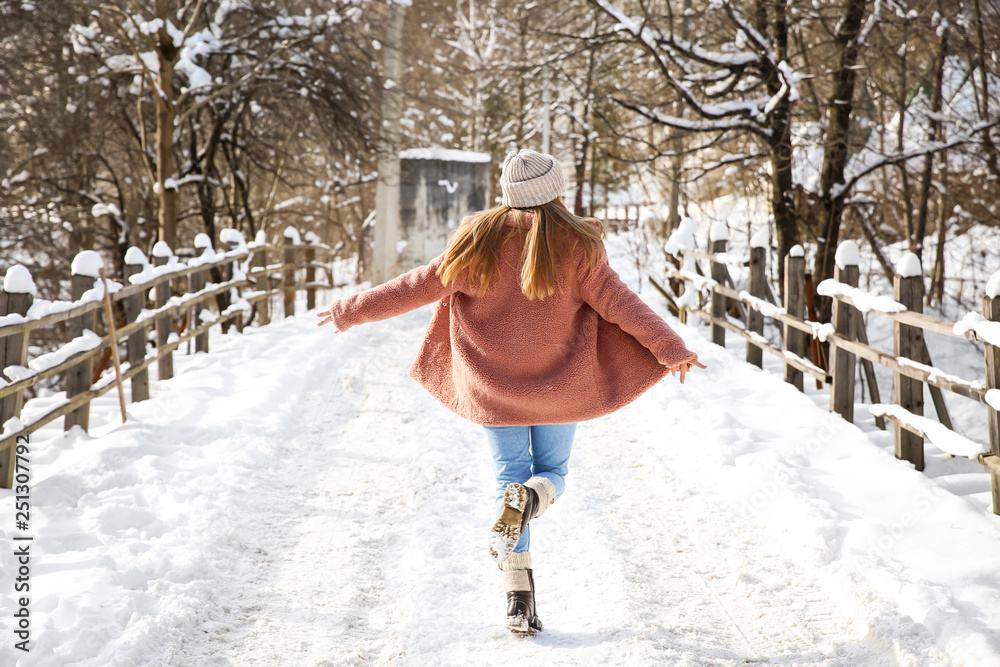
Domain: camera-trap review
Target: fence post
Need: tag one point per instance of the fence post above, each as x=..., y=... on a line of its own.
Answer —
x=16, y=297
x=795, y=306
x=264, y=282
x=991, y=311
x=135, y=261
x=164, y=325
x=841, y=361
x=310, y=253
x=291, y=238
x=719, y=237
x=198, y=279
x=758, y=288
x=85, y=270
x=232, y=239
x=908, y=289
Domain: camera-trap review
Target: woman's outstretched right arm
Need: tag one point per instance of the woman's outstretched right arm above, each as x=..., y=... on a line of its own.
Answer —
x=400, y=295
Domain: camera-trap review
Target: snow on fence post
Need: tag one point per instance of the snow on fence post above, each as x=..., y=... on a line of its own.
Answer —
x=908, y=289
x=310, y=253
x=85, y=270
x=719, y=236
x=842, y=362
x=196, y=284
x=758, y=288
x=795, y=306
x=164, y=325
x=291, y=241
x=991, y=311
x=135, y=262
x=16, y=297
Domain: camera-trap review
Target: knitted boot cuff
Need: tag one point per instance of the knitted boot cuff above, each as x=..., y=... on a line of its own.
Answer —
x=546, y=491
x=516, y=580
x=519, y=560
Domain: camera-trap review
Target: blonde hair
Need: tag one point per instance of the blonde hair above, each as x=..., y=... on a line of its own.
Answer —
x=476, y=247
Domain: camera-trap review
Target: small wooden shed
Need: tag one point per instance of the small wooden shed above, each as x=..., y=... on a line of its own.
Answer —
x=438, y=188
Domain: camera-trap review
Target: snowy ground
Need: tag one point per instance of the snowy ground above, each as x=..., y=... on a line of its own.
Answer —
x=293, y=498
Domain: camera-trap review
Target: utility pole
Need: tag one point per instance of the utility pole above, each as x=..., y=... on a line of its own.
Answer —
x=387, y=191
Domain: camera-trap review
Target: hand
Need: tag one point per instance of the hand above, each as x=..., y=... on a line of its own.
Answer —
x=328, y=317
x=686, y=367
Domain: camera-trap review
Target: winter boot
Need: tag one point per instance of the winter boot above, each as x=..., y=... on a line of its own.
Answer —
x=521, y=504
x=519, y=583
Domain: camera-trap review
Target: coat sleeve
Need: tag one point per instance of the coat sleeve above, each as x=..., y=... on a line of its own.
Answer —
x=400, y=295
x=605, y=292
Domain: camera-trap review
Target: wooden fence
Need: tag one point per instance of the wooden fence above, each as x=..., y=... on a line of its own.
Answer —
x=743, y=312
x=167, y=296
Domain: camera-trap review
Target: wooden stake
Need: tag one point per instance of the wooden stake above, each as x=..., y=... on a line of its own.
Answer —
x=79, y=378
x=909, y=291
x=842, y=361
x=109, y=316
x=794, y=340
x=816, y=351
x=991, y=311
x=718, y=301
x=758, y=288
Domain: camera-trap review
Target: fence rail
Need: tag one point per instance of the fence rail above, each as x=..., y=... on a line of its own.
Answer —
x=846, y=336
x=167, y=296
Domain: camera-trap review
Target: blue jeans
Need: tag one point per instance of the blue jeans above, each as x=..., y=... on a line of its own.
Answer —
x=519, y=452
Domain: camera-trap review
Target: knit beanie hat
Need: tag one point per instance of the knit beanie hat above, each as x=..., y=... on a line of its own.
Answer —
x=530, y=179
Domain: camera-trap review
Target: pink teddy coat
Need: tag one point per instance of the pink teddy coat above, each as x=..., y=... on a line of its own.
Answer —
x=503, y=360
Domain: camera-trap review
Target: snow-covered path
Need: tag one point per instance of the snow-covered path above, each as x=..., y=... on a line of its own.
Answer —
x=372, y=550
x=369, y=547
x=295, y=499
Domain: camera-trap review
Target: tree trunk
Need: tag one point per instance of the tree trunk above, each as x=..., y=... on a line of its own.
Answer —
x=782, y=207
x=676, y=163
x=165, y=112
x=546, y=110
x=917, y=240
x=992, y=156
x=839, y=113
x=901, y=143
x=782, y=202
x=936, y=292
x=581, y=173
x=677, y=147
x=585, y=128
x=592, y=208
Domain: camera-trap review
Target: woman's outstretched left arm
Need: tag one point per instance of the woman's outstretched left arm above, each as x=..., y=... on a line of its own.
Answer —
x=604, y=290
x=400, y=295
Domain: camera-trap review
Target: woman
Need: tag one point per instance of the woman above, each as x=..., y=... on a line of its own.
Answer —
x=533, y=332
